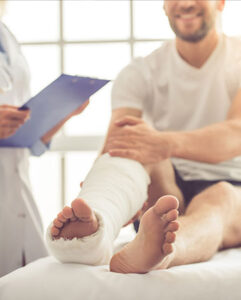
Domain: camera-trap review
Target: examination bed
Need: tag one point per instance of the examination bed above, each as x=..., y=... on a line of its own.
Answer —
x=47, y=279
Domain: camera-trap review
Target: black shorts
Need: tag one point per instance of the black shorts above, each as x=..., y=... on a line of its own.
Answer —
x=192, y=187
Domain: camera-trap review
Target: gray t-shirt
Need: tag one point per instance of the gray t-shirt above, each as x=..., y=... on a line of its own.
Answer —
x=175, y=96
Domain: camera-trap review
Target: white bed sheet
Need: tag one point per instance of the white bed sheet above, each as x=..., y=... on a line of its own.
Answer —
x=47, y=279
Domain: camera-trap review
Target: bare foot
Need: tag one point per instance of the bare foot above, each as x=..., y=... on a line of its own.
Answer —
x=75, y=221
x=153, y=246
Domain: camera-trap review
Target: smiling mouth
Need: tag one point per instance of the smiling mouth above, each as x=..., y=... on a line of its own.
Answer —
x=188, y=16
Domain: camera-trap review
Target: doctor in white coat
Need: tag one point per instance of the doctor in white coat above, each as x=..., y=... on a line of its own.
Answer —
x=21, y=238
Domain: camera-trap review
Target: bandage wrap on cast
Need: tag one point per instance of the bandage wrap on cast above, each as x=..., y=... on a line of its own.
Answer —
x=115, y=188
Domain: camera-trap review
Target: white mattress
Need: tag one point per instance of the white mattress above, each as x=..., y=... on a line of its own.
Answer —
x=47, y=279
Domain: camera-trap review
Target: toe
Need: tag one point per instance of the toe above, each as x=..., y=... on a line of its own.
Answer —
x=172, y=215
x=172, y=226
x=165, y=204
x=81, y=209
x=57, y=223
x=68, y=212
x=55, y=231
x=61, y=218
x=170, y=237
x=167, y=248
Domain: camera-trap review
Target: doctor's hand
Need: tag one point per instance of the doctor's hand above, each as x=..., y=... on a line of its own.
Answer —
x=79, y=109
x=11, y=119
x=48, y=136
x=135, y=139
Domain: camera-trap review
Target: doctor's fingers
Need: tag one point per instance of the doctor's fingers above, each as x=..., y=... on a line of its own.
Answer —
x=5, y=133
x=15, y=115
x=6, y=106
x=10, y=124
x=8, y=130
x=6, y=120
x=80, y=108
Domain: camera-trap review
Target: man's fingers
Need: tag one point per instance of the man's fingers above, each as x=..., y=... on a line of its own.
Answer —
x=131, y=154
x=128, y=120
x=120, y=144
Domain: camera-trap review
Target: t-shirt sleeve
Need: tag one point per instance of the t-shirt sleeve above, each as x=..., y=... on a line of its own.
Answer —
x=130, y=88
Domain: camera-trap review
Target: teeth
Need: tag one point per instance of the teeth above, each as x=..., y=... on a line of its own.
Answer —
x=187, y=16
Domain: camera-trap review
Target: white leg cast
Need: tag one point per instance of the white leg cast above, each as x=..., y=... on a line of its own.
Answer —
x=115, y=188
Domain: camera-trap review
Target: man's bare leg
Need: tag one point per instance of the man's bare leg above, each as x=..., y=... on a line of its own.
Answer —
x=153, y=243
x=163, y=183
x=79, y=220
x=211, y=222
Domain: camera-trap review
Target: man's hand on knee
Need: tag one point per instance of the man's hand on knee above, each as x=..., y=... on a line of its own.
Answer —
x=137, y=140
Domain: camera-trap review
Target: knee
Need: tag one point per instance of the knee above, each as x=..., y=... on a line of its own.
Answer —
x=227, y=192
x=222, y=195
x=226, y=189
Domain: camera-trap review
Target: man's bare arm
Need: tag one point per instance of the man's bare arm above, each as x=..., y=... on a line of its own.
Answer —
x=116, y=115
x=212, y=144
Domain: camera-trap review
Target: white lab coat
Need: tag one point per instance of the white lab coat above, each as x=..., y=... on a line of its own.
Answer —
x=21, y=238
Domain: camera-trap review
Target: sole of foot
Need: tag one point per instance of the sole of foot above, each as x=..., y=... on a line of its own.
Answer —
x=153, y=246
x=76, y=221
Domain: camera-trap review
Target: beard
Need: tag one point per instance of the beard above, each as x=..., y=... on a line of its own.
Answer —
x=199, y=34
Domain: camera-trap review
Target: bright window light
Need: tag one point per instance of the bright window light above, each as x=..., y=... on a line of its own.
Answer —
x=98, y=60
x=231, y=18
x=95, y=119
x=43, y=61
x=45, y=176
x=96, y=20
x=150, y=21
x=78, y=165
x=145, y=48
x=33, y=21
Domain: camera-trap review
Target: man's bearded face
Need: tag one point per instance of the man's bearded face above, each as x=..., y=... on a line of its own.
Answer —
x=191, y=20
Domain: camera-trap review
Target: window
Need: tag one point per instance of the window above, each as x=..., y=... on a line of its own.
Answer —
x=90, y=38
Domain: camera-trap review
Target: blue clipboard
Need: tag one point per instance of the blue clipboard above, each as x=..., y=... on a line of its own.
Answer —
x=51, y=106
